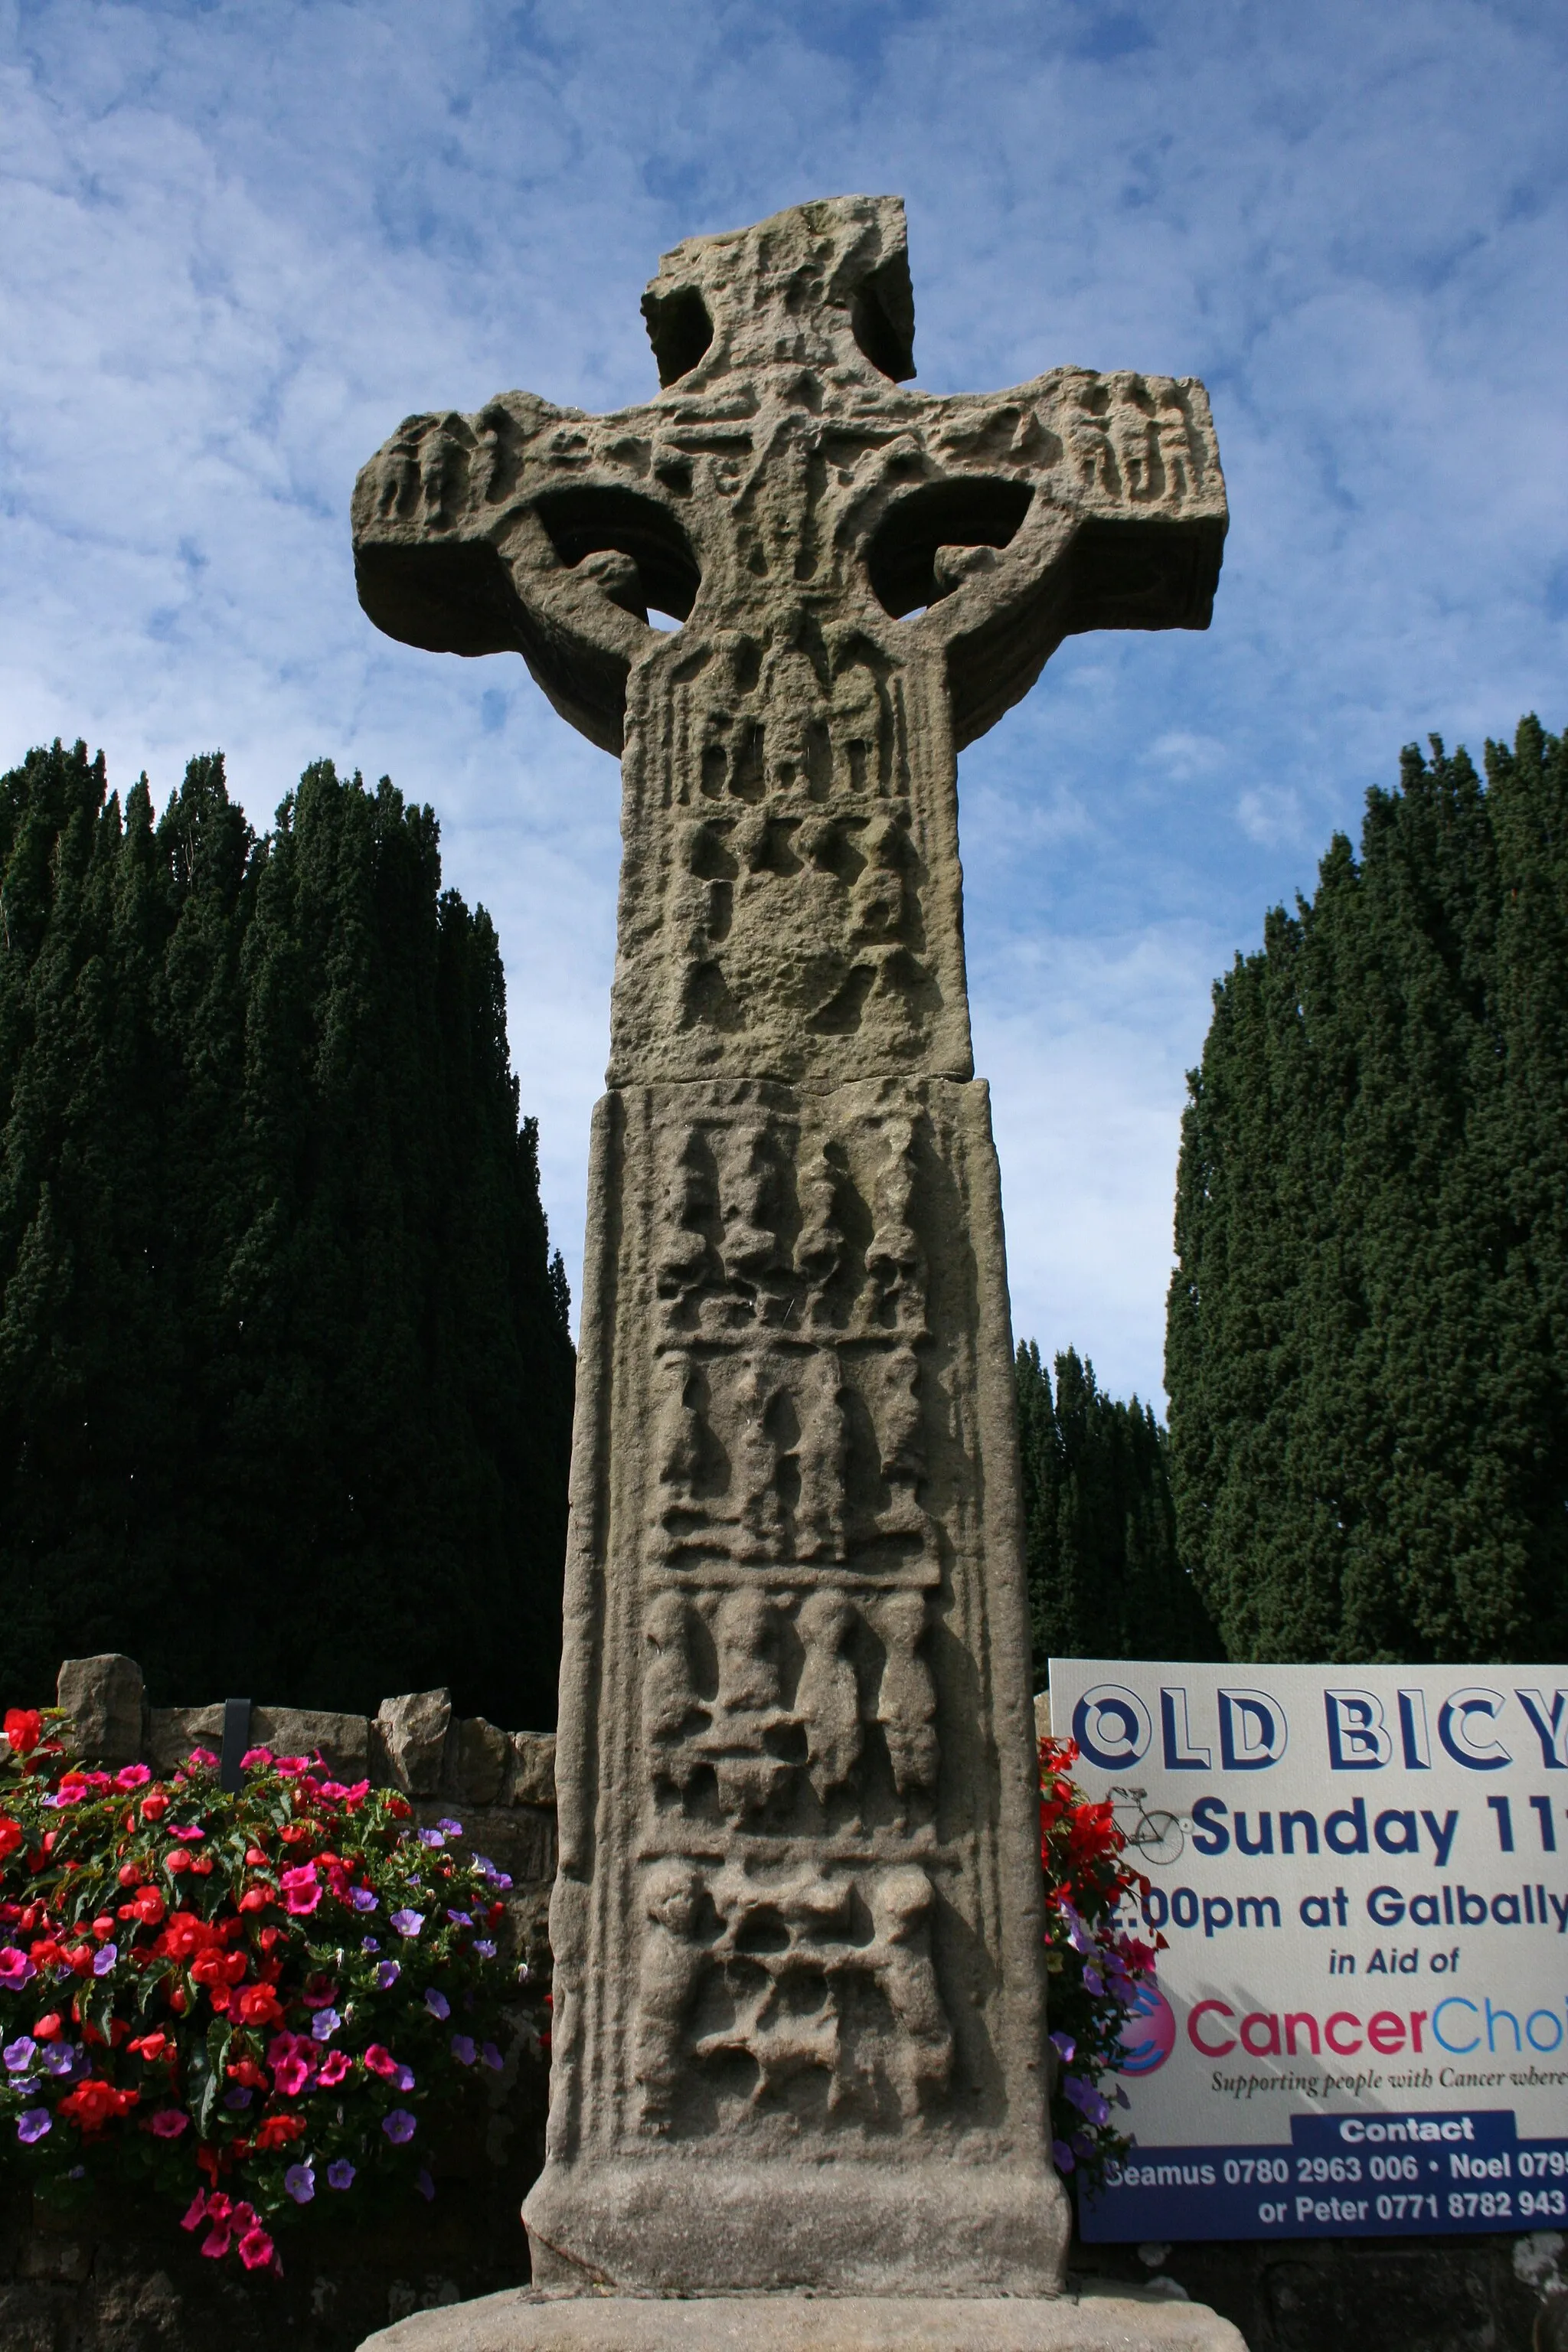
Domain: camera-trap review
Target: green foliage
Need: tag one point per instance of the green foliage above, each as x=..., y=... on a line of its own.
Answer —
x=285, y=1382
x=1099, y=1525
x=1368, y=1327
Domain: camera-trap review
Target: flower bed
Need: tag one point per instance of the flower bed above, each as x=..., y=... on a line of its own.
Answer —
x=244, y=2001
x=1097, y=1966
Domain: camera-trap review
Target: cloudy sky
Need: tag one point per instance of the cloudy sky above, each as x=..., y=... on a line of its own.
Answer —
x=238, y=244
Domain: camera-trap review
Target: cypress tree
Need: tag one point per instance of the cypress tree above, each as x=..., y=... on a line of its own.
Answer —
x=1100, y=1524
x=285, y=1375
x=1367, y=1341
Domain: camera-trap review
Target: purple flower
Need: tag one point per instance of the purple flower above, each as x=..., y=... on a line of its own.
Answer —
x=237, y=2099
x=499, y=1879
x=300, y=2182
x=60, y=2057
x=340, y=2173
x=370, y=1945
x=19, y=2054
x=1064, y=2156
x=452, y=1828
x=408, y=1923
x=483, y=1946
x=1094, y=1984
x=462, y=2049
x=490, y=2056
x=402, y=2077
x=461, y=1919
x=386, y=1975
x=363, y=1898
x=1065, y=2047
x=425, y=2185
x=1086, y=2099
x=324, y=2024
x=32, y=2124
x=432, y=1838
x=436, y=2002
x=398, y=2125
x=103, y=1959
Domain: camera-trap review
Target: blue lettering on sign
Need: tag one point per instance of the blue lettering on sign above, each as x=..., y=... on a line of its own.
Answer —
x=1111, y=1727
x=1465, y=1727
x=1358, y=1738
x=1366, y=2176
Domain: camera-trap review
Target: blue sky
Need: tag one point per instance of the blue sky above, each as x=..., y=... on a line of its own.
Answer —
x=241, y=243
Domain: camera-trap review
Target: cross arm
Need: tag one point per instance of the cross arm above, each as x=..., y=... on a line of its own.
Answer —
x=523, y=529
x=1075, y=502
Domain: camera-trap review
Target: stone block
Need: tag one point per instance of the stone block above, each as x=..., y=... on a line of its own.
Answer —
x=483, y=1755
x=531, y=1779
x=176, y=1730
x=344, y=1740
x=521, y=2320
x=409, y=1740
x=106, y=1703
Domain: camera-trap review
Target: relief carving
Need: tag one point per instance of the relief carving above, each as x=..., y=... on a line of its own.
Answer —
x=815, y=1706
x=774, y=1979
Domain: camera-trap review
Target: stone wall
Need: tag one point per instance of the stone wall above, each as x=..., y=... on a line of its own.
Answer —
x=120, y=2275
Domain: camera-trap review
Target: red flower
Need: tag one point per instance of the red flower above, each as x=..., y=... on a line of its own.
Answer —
x=24, y=1729
x=259, y=2005
x=153, y=1808
x=93, y=2105
x=277, y=2131
x=10, y=1835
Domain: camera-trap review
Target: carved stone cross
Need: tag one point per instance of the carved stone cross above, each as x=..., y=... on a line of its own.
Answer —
x=799, y=2024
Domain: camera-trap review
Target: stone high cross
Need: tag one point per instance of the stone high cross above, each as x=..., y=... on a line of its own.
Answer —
x=799, y=2025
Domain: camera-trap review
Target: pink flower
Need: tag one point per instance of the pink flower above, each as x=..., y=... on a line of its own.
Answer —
x=380, y=2060
x=301, y=1892
x=185, y=1832
x=203, y=1756
x=334, y=2067
x=253, y=1757
x=132, y=1776
x=292, y=1765
x=255, y=2247
x=16, y=1969
x=192, y=2220
x=169, y=2122
x=215, y=2245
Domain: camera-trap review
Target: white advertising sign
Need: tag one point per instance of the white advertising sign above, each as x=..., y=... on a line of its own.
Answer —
x=1360, y=2025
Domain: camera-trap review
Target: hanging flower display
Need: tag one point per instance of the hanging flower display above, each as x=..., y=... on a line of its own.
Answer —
x=240, y=1999
x=1098, y=1966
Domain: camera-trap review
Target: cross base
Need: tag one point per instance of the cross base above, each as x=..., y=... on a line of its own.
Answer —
x=524, y=2320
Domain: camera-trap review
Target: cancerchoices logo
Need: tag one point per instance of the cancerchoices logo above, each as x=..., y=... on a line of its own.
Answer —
x=1148, y=2032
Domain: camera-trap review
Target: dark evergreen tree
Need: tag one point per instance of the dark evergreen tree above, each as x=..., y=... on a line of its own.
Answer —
x=285, y=1376
x=1367, y=1346
x=1100, y=1525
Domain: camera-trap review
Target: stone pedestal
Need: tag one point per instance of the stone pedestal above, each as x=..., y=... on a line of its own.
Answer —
x=526, y=2322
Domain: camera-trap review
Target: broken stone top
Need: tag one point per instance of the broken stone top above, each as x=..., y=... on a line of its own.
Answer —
x=823, y=285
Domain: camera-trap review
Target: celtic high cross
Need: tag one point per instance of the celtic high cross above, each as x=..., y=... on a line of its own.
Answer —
x=799, y=2025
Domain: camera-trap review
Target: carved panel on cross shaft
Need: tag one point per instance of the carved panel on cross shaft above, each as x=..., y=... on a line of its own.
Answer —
x=771, y=1227
x=799, y=1710
x=784, y=1993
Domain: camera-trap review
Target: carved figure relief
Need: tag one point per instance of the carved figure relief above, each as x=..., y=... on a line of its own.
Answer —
x=776, y=1980
x=779, y=1709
